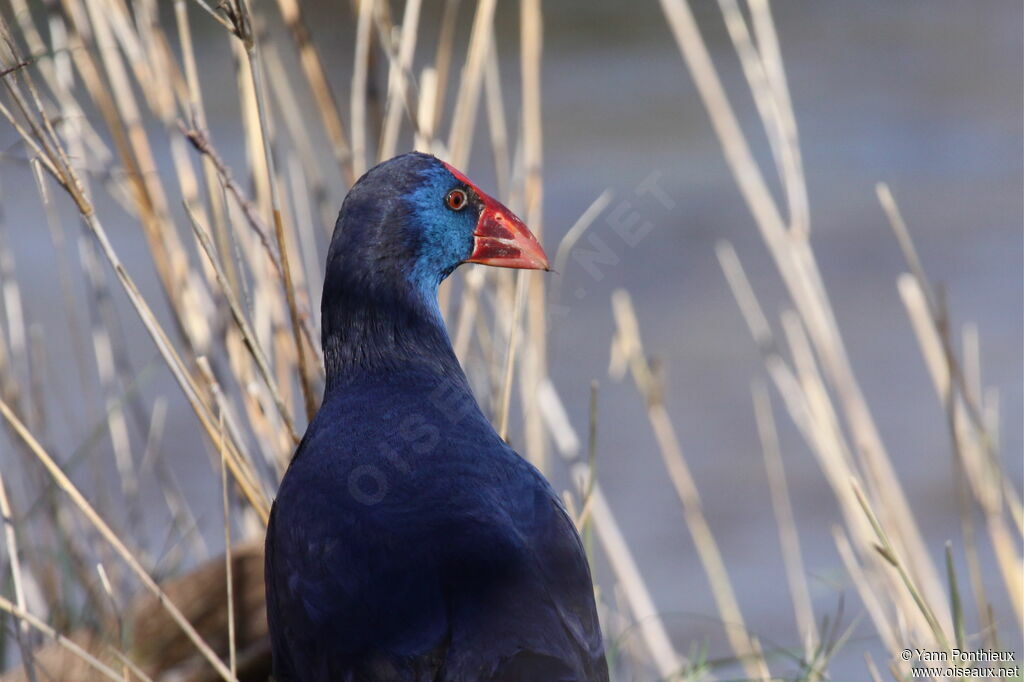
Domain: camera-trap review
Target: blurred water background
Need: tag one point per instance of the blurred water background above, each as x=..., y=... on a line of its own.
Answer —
x=926, y=96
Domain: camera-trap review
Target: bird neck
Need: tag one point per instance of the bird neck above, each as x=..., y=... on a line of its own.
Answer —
x=377, y=329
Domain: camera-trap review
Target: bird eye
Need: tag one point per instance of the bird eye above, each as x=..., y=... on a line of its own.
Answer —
x=456, y=200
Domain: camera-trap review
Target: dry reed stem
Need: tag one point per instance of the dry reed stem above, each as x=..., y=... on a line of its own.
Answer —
x=591, y=480
x=531, y=46
x=443, y=59
x=303, y=220
x=986, y=490
x=14, y=561
x=792, y=172
x=628, y=338
x=10, y=292
x=621, y=558
x=973, y=443
x=232, y=653
x=822, y=424
x=299, y=133
x=398, y=97
x=932, y=302
x=497, y=126
x=215, y=193
x=798, y=268
x=872, y=668
x=969, y=534
x=810, y=408
x=460, y=136
x=629, y=577
x=182, y=518
x=316, y=78
x=262, y=106
x=168, y=254
x=238, y=315
x=246, y=473
x=102, y=314
x=472, y=283
x=510, y=356
x=766, y=97
x=474, y=280
x=789, y=540
x=255, y=497
x=108, y=589
x=65, y=484
x=68, y=180
x=359, y=80
x=424, y=139
x=574, y=233
x=205, y=147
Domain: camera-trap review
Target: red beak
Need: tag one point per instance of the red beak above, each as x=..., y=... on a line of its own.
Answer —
x=500, y=238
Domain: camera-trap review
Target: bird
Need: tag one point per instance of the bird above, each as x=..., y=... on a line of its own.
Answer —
x=408, y=541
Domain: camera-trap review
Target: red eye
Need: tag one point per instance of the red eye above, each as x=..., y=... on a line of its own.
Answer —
x=456, y=200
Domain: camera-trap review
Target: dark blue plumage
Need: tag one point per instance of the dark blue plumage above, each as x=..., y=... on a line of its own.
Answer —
x=408, y=541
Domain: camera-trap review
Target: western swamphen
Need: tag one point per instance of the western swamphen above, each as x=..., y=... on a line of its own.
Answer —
x=408, y=541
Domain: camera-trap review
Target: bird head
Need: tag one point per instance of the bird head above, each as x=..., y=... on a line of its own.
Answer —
x=417, y=218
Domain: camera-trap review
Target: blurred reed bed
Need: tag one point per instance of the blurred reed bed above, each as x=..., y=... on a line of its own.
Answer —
x=100, y=91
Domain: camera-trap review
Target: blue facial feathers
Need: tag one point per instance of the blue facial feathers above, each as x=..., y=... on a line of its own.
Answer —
x=444, y=235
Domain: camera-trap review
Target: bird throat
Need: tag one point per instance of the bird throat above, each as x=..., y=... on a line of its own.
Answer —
x=372, y=331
